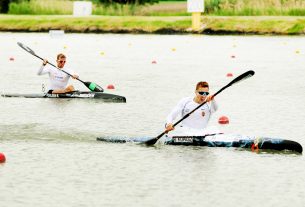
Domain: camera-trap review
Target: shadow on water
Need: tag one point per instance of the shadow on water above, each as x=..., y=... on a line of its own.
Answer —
x=36, y=131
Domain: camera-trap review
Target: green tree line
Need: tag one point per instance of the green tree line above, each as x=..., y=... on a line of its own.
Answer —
x=4, y=4
x=139, y=2
x=159, y=7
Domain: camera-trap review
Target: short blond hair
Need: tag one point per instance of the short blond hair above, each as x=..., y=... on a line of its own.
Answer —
x=60, y=55
x=202, y=84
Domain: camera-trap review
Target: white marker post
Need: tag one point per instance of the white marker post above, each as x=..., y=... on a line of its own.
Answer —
x=82, y=8
x=195, y=7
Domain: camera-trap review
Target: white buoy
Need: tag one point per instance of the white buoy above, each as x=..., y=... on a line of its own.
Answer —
x=56, y=33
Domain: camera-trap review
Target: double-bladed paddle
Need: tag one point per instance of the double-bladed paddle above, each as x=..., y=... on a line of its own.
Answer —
x=92, y=86
x=243, y=76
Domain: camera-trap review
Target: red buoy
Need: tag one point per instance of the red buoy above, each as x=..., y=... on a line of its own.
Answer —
x=2, y=158
x=223, y=120
x=110, y=86
x=229, y=74
x=254, y=147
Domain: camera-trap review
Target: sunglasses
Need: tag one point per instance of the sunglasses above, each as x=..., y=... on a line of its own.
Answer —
x=203, y=93
x=61, y=61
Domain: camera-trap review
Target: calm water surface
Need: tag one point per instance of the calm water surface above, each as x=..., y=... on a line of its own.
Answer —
x=53, y=158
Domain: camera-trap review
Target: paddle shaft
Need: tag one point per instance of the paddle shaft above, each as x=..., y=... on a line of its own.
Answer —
x=237, y=79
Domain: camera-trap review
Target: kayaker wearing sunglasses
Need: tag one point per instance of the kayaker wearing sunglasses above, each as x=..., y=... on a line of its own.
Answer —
x=200, y=118
x=58, y=79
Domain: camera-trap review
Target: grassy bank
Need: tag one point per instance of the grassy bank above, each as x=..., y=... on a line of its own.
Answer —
x=157, y=25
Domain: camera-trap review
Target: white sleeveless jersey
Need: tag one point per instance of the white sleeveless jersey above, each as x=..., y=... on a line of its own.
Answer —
x=198, y=119
x=58, y=79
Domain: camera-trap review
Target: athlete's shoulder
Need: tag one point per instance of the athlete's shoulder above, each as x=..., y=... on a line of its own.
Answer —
x=51, y=69
x=69, y=70
x=47, y=68
x=186, y=99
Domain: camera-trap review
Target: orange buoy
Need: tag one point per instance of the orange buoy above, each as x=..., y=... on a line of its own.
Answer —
x=223, y=120
x=229, y=75
x=110, y=86
x=2, y=158
x=154, y=62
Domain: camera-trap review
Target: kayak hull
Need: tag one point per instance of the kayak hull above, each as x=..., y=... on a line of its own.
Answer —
x=76, y=94
x=254, y=143
x=219, y=140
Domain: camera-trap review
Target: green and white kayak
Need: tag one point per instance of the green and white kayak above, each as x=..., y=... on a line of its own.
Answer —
x=107, y=97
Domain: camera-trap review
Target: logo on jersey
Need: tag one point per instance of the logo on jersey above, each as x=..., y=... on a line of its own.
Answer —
x=59, y=77
x=202, y=112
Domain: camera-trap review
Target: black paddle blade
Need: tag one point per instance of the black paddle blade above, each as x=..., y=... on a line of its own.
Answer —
x=150, y=142
x=94, y=87
x=239, y=78
x=243, y=76
x=153, y=141
x=26, y=48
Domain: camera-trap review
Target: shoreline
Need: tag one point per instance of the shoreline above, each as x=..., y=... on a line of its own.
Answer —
x=211, y=25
